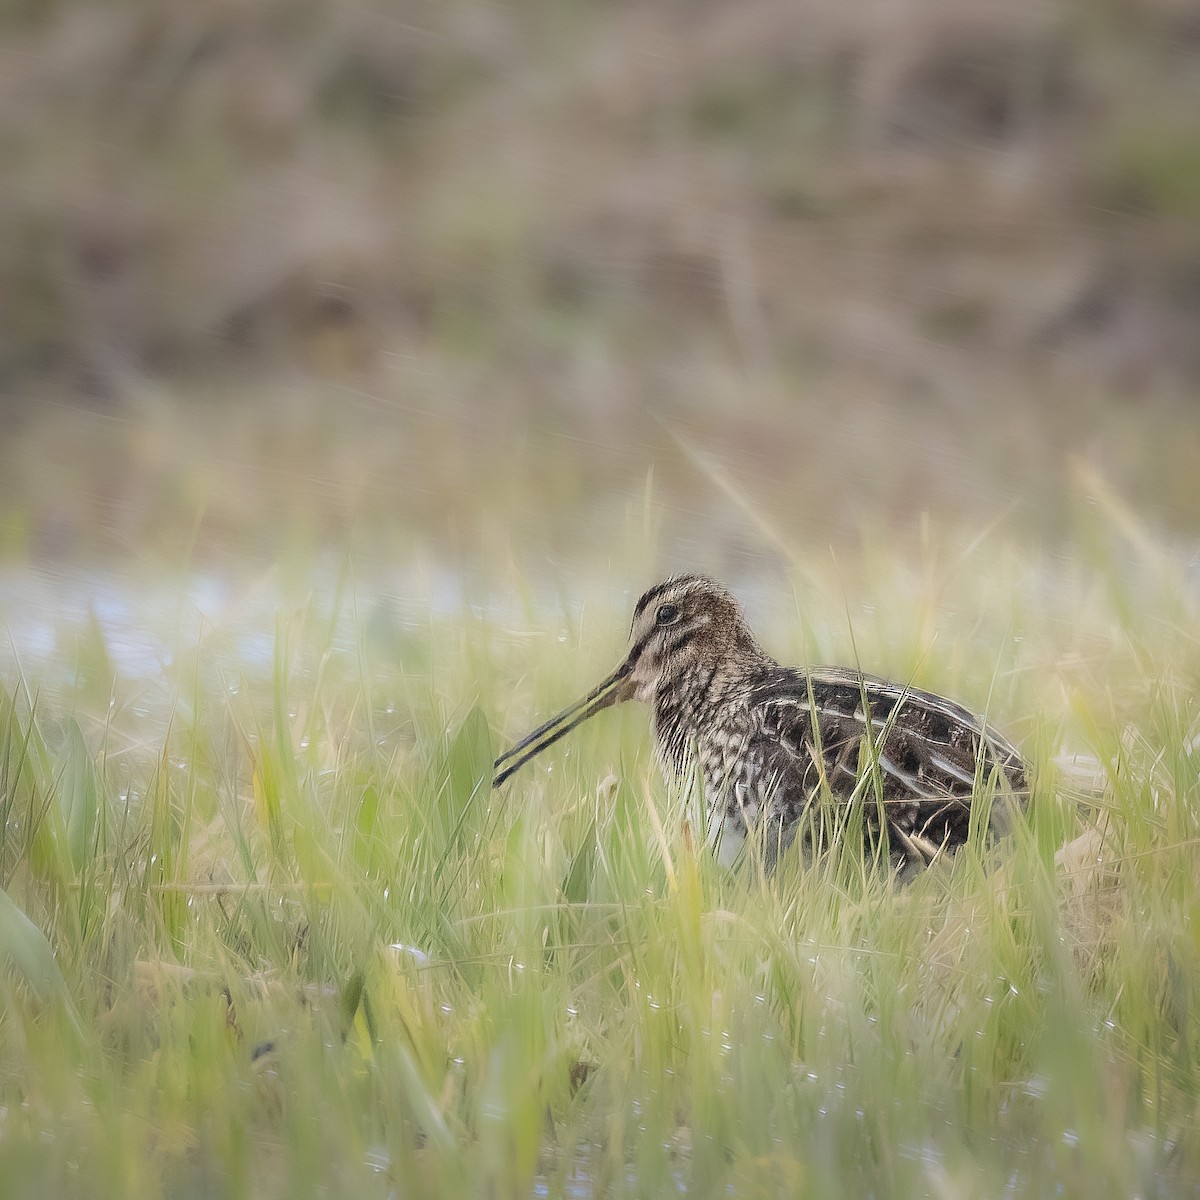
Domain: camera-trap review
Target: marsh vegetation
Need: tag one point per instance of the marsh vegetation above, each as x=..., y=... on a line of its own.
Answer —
x=359, y=367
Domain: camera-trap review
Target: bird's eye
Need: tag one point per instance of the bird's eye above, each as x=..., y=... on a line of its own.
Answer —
x=667, y=614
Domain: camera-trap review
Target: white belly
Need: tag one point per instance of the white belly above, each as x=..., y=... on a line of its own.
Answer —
x=726, y=835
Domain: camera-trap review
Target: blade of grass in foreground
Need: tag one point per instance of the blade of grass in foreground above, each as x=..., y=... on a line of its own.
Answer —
x=26, y=952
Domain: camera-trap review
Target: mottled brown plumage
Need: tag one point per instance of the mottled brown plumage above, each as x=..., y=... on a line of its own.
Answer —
x=780, y=748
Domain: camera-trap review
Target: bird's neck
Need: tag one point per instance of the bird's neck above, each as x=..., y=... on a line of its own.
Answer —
x=704, y=697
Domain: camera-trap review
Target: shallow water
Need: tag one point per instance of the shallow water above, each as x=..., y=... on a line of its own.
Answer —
x=145, y=623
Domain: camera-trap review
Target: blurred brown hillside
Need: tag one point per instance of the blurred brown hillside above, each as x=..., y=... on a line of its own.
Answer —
x=233, y=182
x=949, y=206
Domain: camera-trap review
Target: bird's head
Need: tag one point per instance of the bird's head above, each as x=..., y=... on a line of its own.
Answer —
x=687, y=623
x=680, y=625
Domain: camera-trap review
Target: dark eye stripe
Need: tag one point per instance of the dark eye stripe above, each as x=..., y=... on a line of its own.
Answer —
x=639, y=646
x=684, y=638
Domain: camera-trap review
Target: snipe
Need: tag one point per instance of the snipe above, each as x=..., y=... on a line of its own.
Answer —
x=778, y=747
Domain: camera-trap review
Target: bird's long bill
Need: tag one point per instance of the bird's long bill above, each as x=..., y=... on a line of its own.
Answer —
x=601, y=696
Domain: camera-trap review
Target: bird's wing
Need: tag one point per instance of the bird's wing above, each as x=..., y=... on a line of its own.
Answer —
x=821, y=730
